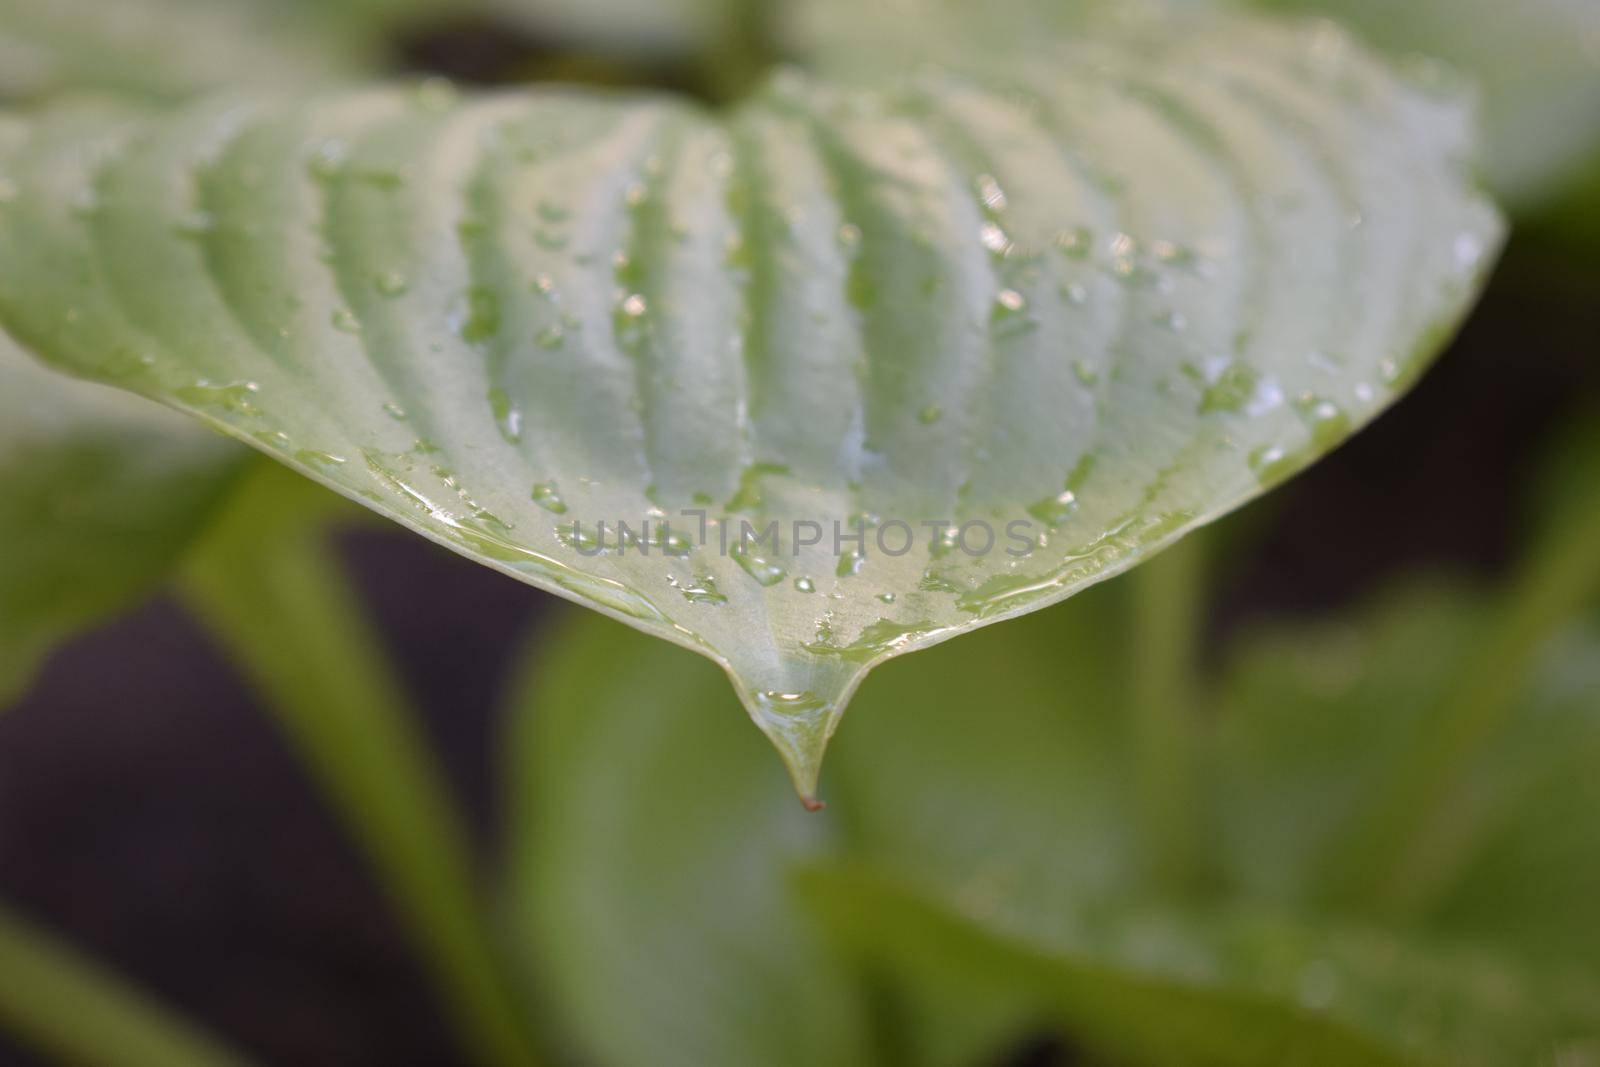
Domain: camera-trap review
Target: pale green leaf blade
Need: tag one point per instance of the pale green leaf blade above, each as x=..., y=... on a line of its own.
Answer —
x=1077, y=307
x=651, y=846
x=99, y=494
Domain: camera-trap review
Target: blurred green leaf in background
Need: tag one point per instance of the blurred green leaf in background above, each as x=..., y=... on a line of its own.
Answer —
x=988, y=870
x=100, y=494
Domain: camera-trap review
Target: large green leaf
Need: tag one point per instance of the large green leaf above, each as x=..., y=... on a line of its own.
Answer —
x=1152, y=267
x=1538, y=65
x=99, y=493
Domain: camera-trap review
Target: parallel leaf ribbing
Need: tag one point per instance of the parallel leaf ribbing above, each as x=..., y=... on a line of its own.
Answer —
x=1100, y=294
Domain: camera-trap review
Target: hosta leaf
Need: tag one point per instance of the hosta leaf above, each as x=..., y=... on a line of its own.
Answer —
x=99, y=493
x=1106, y=294
x=1538, y=63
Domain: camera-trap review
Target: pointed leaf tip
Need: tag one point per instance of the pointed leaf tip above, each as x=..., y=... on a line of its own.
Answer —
x=799, y=725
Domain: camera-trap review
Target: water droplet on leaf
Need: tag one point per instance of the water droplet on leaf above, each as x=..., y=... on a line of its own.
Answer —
x=548, y=496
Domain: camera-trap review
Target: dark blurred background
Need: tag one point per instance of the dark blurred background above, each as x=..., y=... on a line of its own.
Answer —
x=150, y=814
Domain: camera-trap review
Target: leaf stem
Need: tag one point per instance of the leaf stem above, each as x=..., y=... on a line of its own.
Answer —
x=1385, y=867
x=1168, y=604
x=70, y=1008
x=270, y=590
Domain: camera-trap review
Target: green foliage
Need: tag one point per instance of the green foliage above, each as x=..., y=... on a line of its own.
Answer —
x=100, y=493
x=267, y=586
x=992, y=865
x=1230, y=988
x=1107, y=300
x=71, y=1008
